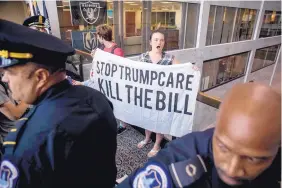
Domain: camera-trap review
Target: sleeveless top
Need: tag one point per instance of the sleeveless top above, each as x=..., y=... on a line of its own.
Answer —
x=167, y=59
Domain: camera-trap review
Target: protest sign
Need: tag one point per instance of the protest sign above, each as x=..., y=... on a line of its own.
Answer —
x=158, y=98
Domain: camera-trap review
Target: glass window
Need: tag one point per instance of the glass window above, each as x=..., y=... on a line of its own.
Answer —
x=78, y=21
x=239, y=65
x=166, y=16
x=244, y=25
x=224, y=26
x=228, y=21
x=251, y=24
x=209, y=75
x=220, y=25
x=132, y=18
x=211, y=25
x=192, y=25
x=163, y=18
x=132, y=27
x=271, y=24
x=222, y=70
x=265, y=57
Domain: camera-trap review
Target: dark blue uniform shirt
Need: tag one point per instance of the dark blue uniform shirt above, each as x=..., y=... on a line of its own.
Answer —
x=68, y=139
x=188, y=162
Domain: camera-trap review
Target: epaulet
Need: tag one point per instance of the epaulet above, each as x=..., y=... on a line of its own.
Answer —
x=185, y=173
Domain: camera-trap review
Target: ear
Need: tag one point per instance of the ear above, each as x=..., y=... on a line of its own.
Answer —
x=41, y=76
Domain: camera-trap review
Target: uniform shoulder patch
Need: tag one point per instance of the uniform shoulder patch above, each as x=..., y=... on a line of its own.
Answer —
x=8, y=174
x=152, y=175
x=184, y=173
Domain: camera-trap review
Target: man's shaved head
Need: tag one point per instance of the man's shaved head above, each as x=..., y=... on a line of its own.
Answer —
x=248, y=132
x=252, y=111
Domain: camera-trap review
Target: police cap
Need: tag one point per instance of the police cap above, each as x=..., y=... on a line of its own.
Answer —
x=37, y=21
x=20, y=44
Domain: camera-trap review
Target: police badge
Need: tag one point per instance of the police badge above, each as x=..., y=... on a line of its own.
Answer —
x=8, y=174
x=90, y=11
x=153, y=175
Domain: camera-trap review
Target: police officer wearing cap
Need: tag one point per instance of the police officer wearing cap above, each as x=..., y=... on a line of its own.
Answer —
x=243, y=150
x=36, y=22
x=68, y=138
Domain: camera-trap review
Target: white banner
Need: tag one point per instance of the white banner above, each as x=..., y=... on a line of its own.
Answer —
x=155, y=97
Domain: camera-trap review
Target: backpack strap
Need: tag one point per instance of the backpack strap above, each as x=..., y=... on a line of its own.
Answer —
x=102, y=47
x=113, y=49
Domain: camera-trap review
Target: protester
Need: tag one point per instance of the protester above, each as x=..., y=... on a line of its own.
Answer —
x=104, y=35
x=68, y=138
x=156, y=56
x=10, y=111
x=243, y=150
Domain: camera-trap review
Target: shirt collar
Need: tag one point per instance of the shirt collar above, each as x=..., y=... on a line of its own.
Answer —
x=147, y=56
x=53, y=90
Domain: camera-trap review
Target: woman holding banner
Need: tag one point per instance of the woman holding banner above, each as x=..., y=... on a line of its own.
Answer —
x=157, y=56
x=104, y=36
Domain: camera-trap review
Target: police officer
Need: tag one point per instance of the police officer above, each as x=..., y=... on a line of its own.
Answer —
x=37, y=22
x=68, y=138
x=243, y=150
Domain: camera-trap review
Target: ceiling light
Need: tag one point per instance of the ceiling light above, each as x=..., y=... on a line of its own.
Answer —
x=128, y=2
x=166, y=2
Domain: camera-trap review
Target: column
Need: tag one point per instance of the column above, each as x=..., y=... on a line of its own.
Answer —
x=255, y=37
x=202, y=29
x=182, y=31
x=116, y=22
x=148, y=24
x=121, y=23
x=278, y=60
x=143, y=30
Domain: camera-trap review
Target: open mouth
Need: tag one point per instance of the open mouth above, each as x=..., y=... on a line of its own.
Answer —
x=158, y=47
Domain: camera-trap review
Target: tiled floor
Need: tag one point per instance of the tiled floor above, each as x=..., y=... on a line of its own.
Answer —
x=128, y=156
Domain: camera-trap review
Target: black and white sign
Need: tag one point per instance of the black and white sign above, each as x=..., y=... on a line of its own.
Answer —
x=155, y=97
x=89, y=12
